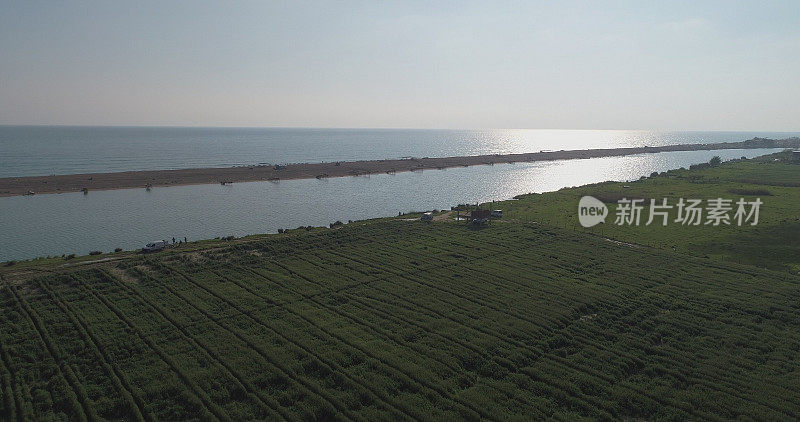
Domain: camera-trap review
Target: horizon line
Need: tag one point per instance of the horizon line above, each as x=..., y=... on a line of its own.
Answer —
x=384, y=128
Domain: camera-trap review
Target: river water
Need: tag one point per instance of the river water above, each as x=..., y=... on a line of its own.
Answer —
x=56, y=224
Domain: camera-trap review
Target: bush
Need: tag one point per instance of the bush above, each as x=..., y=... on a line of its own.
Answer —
x=715, y=161
x=700, y=166
x=95, y=253
x=10, y=263
x=280, y=231
x=70, y=256
x=117, y=249
x=750, y=192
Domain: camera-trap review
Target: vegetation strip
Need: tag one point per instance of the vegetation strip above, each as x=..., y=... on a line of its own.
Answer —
x=81, y=405
x=394, y=338
x=135, y=404
x=284, y=370
x=700, y=380
x=244, y=384
x=209, y=406
x=300, y=346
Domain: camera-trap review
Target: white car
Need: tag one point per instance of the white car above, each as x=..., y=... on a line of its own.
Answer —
x=155, y=246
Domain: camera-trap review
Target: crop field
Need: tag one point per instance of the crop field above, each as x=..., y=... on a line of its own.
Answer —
x=402, y=320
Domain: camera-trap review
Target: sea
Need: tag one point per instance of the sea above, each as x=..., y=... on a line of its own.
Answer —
x=56, y=224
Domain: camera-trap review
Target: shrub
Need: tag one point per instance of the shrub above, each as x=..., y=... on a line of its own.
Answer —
x=280, y=231
x=95, y=252
x=10, y=263
x=750, y=192
x=715, y=161
x=700, y=166
x=70, y=256
x=117, y=249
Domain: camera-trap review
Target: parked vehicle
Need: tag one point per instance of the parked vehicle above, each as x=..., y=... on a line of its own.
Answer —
x=155, y=246
x=497, y=213
x=428, y=216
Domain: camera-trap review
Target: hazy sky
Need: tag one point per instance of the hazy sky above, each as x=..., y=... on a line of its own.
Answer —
x=619, y=65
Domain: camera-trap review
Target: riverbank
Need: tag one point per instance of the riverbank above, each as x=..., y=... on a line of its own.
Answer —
x=15, y=186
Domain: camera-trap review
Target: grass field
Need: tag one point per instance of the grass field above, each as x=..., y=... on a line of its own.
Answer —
x=524, y=319
x=773, y=243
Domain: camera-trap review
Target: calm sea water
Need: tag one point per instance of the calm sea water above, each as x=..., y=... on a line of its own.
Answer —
x=42, y=150
x=55, y=224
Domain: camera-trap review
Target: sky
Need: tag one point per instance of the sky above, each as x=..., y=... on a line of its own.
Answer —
x=661, y=65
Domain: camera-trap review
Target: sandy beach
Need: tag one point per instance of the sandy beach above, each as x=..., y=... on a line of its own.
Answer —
x=14, y=186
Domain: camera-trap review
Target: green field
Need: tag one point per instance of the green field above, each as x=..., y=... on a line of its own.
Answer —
x=527, y=319
x=773, y=243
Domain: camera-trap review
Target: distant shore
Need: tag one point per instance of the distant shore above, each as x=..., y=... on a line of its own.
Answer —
x=15, y=186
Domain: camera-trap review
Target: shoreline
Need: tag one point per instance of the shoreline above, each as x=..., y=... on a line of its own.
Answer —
x=18, y=186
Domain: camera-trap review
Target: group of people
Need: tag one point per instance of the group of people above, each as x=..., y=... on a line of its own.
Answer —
x=179, y=242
